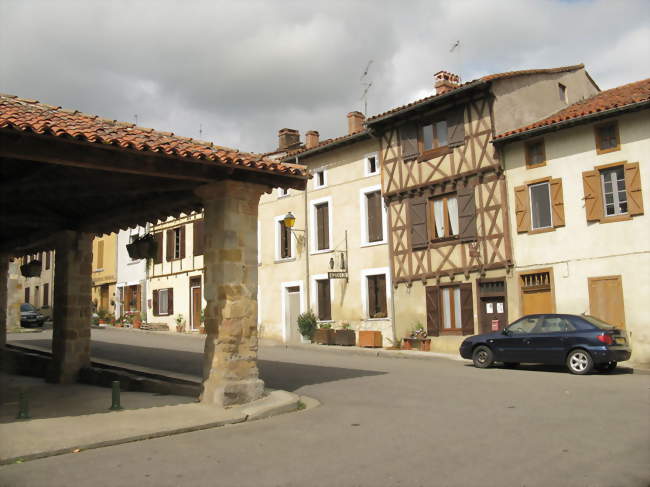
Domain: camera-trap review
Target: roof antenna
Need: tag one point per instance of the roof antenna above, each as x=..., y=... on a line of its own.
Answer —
x=456, y=47
x=136, y=118
x=201, y=131
x=366, y=85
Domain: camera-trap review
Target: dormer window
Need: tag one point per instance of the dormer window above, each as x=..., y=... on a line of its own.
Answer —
x=563, y=93
x=320, y=179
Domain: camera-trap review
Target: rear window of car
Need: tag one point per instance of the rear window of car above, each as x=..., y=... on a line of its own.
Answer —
x=27, y=307
x=598, y=323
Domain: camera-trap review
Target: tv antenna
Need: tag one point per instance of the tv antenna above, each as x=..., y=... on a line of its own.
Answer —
x=136, y=118
x=366, y=84
x=201, y=131
x=456, y=47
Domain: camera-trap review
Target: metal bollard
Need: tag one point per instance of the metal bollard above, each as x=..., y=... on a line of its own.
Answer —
x=23, y=410
x=115, y=406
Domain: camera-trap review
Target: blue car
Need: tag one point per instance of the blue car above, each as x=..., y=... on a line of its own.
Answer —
x=583, y=343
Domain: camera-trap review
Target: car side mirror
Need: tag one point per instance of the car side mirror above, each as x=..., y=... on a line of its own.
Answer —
x=505, y=332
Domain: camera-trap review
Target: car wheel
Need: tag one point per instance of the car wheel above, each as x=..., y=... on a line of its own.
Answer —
x=579, y=362
x=482, y=357
x=608, y=367
x=510, y=365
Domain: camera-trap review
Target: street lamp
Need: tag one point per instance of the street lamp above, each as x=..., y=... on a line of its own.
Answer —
x=289, y=220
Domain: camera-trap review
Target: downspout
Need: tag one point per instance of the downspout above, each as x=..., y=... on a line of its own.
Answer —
x=306, y=244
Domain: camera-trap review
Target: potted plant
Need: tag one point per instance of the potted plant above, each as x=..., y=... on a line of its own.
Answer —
x=307, y=324
x=395, y=344
x=370, y=339
x=344, y=336
x=137, y=320
x=417, y=339
x=324, y=334
x=180, y=323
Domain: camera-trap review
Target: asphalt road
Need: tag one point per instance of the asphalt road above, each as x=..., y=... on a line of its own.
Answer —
x=382, y=422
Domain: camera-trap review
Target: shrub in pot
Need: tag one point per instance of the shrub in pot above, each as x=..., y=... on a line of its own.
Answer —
x=307, y=324
x=324, y=334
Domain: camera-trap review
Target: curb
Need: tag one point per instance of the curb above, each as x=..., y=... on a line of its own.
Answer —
x=378, y=352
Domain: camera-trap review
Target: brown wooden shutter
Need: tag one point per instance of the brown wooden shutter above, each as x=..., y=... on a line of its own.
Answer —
x=372, y=296
x=158, y=238
x=593, y=195
x=522, y=209
x=456, y=127
x=433, y=315
x=419, y=236
x=170, y=245
x=322, y=215
x=467, y=214
x=46, y=294
x=633, y=187
x=155, y=302
x=170, y=301
x=48, y=259
x=375, y=233
x=198, y=244
x=409, y=140
x=557, y=202
x=324, y=300
x=381, y=297
x=467, y=308
x=138, y=298
x=182, y=236
x=284, y=249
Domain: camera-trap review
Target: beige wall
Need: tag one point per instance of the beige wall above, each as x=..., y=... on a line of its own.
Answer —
x=580, y=250
x=346, y=180
x=105, y=272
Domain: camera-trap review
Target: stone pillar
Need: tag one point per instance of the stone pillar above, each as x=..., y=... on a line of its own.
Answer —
x=72, y=306
x=230, y=373
x=4, y=301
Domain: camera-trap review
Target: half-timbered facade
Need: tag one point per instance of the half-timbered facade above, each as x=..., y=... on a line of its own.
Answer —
x=445, y=190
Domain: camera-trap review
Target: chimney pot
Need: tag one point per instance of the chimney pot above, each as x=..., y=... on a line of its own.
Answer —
x=311, y=139
x=288, y=139
x=355, y=122
x=445, y=81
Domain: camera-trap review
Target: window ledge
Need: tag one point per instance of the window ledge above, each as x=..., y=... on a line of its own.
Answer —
x=281, y=261
x=615, y=218
x=323, y=251
x=370, y=174
x=377, y=319
x=533, y=166
x=134, y=262
x=607, y=151
x=440, y=151
x=541, y=230
x=373, y=244
x=99, y=270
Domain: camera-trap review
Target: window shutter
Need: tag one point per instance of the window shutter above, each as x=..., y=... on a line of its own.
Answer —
x=155, y=302
x=372, y=296
x=456, y=127
x=433, y=315
x=283, y=240
x=557, y=202
x=158, y=238
x=182, y=233
x=48, y=259
x=467, y=214
x=593, y=195
x=322, y=215
x=633, y=186
x=198, y=244
x=170, y=245
x=522, y=209
x=381, y=296
x=170, y=301
x=324, y=300
x=374, y=217
x=419, y=236
x=409, y=140
x=467, y=308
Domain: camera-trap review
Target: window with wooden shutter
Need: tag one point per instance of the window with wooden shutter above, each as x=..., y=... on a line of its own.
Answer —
x=27, y=295
x=158, y=238
x=443, y=218
x=322, y=227
x=408, y=135
x=198, y=243
x=324, y=300
x=593, y=195
x=170, y=301
x=456, y=126
x=46, y=294
x=48, y=259
x=373, y=208
x=607, y=139
x=467, y=309
x=633, y=186
x=557, y=202
x=377, y=304
x=170, y=245
x=467, y=214
x=285, y=240
x=418, y=214
x=433, y=315
x=541, y=214
x=100, y=255
x=522, y=209
x=155, y=303
x=181, y=246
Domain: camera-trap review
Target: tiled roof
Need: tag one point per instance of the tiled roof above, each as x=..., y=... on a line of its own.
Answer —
x=324, y=143
x=31, y=116
x=618, y=97
x=477, y=82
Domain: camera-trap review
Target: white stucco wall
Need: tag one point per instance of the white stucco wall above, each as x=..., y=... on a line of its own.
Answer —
x=129, y=272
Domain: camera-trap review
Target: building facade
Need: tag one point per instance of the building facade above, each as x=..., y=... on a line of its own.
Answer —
x=131, y=275
x=104, y=272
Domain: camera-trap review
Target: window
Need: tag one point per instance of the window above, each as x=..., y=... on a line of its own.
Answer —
x=451, y=312
x=535, y=154
x=283, y=240
x=176, y=243
x=48, y=259
x=377, y=307
x=283, y=192
x=163, y=302
x=27, y=295
x=563, y=93
x=539, y=205
x=372, y=216
x=443, y=215
x=324, y=300
x=372, y=165
x=613, y=192
x=198, y=237
x=133, y=238
x=100, y=255
x=433, y=137
x=607, y=139
x=320, y=179
x=46, y=294
x=320, y=223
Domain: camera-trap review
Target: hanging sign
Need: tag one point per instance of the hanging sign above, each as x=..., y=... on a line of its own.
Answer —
x=495, y=325
x=337, y=275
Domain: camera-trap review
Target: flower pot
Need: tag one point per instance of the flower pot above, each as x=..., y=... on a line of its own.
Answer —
x=324, y=336
x=422, y=344
x=370, y=339
x=345, y=338
x=31, y=269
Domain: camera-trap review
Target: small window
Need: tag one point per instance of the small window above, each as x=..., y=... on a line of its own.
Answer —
x=535, y=154
x=433, y=136
x=163, y=300
x=377, y=296
x=320, y=179
x=614, y=193
x=284, y=240
x=540, y=205
x=371, y=165
x=562, y=92
x=443, y=215
x=324, y=300
x=607, y=139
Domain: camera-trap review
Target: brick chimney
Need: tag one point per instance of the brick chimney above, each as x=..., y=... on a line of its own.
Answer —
x=445, y=81
x=311, y=139
x=288, y=139
x=355, y=122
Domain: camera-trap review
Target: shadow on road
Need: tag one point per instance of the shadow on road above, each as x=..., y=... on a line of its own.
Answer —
x=276, y=375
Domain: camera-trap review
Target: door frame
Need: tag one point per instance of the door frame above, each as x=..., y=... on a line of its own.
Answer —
x=286, y=330
x=481, y=294
x=619, y=278
x=192, y=287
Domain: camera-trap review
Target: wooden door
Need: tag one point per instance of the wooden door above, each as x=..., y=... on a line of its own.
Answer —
x=195, y=296
x=493, y=305
x=292, y=310
x=103, y=298
x=606, y=299
x=537, y=302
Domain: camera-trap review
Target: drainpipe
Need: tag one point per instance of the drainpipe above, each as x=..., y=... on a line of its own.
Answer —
x=306, y=243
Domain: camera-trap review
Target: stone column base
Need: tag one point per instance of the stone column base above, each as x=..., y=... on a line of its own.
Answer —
x=232, y=392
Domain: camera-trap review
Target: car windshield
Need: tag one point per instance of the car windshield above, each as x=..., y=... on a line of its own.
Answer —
x=524, y=325
x=598, y=323
x=27, y=307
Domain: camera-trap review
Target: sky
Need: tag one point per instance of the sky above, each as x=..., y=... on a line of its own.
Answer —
x=235, y=72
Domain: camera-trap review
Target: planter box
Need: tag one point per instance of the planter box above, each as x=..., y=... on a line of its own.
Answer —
x=346, y=338
x=324, y=336
x=423, y=344
x=371, y=339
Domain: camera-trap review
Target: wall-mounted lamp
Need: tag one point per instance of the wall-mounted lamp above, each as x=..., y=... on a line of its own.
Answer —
x=289, y=220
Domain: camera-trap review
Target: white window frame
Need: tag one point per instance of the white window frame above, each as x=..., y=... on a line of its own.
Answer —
x=366, y=164
x=364, y=292
x=283, y=193
x=314, y=295
x=166, y=300
x=363, y=205
x=283, y=287
x=324, y=185
x=276, y=226
x=550, y=204
x=312, y=224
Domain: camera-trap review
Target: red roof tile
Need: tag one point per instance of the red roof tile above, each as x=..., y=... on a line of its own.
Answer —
x=30, y=115
x=618, y=97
